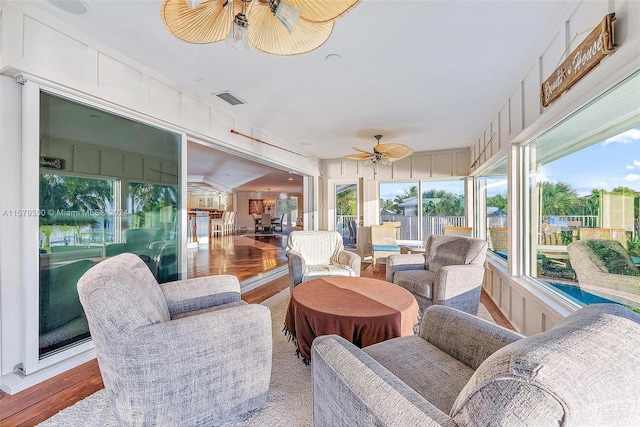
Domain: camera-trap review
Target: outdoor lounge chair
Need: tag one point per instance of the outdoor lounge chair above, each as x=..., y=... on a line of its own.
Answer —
x=604, y=267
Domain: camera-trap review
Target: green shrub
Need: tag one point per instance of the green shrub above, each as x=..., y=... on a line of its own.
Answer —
x=615, y=264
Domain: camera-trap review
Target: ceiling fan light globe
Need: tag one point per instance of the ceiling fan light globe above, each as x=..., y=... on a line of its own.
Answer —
x=192, y=4
x=384, y=161
x=238, y=36
x=368, y=163
x=286, y=13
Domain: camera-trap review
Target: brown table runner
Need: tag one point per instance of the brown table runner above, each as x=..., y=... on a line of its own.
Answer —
x=362, y=310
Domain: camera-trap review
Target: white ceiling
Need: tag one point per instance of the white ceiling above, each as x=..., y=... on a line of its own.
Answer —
x=428, y=74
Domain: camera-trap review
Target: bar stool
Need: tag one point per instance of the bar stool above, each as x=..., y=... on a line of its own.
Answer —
x=216, y=225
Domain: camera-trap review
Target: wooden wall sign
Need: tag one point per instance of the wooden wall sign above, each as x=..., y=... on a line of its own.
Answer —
x=598, y=44
x=52, y=162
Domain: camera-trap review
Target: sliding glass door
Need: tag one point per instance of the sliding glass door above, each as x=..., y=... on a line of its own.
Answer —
x=107, y=185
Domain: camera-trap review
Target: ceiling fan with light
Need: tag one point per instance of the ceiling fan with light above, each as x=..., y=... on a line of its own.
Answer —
x=383, y=154
x=277, y=27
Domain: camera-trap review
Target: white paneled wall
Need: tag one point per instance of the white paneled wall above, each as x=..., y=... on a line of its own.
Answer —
x=44, y=49
x=91, y=159
x=417, y=167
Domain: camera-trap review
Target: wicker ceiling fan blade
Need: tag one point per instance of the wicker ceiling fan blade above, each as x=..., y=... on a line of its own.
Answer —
x=358, y=156
x=392, y=151
x=362, y=151
x=323, y=11
x=267, y=34
x=209, y=22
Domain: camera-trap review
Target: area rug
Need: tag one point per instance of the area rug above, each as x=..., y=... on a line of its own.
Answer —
x=289, y=401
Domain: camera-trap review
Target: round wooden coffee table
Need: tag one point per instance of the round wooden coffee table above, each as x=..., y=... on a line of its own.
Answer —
x=362, y=310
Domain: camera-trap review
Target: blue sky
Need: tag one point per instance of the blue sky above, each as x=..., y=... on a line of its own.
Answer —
x=605, y=165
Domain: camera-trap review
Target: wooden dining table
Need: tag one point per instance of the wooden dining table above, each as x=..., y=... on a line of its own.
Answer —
x=362, y=310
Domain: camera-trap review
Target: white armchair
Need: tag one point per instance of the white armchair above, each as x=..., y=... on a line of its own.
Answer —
x=314, y=254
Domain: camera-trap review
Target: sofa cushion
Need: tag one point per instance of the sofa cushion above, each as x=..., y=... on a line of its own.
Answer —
x=386, y=248
x=431, y=372
x=418, y=282
x=453, y=250
x=569, y=375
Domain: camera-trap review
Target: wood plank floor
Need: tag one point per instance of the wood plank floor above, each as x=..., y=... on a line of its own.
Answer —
x=241, y=256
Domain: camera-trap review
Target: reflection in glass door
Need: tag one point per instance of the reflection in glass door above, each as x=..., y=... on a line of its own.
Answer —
x=76, y=221
x=108, y=185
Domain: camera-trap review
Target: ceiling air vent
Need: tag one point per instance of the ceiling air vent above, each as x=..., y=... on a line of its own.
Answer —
x=230, y=98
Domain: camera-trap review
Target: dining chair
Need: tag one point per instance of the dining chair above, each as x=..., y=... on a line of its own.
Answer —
x=266, y=223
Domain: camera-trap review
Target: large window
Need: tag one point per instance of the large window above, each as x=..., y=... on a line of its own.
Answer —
x=492, y=200
x=108, y=185
x=584, y=190
x=589, y=195
x=441, y=204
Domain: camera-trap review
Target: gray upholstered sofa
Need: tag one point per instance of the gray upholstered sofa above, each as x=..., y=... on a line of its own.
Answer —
x=450, y=272
x=183, y=353
x=315, y=254
x=464, y=371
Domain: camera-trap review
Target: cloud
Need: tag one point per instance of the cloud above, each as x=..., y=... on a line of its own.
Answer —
x=632, y=177
x=635, y=163
x=627, y=137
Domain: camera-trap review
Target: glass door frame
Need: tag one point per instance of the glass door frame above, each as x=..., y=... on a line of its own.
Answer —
x=332, y=214
x=31, y=89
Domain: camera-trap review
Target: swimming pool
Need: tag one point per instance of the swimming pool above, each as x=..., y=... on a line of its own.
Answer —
x=576, y=293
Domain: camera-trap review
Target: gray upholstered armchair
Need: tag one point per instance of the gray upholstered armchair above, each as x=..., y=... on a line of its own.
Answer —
x=314, y=254
x=183, y=353
x=464, y=371
x=450, y=272
x=135, y=241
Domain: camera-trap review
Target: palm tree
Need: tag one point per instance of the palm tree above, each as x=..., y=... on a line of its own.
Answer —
x=557, y=198
x=146, y=198
x=442, y=203
x=72, y=202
